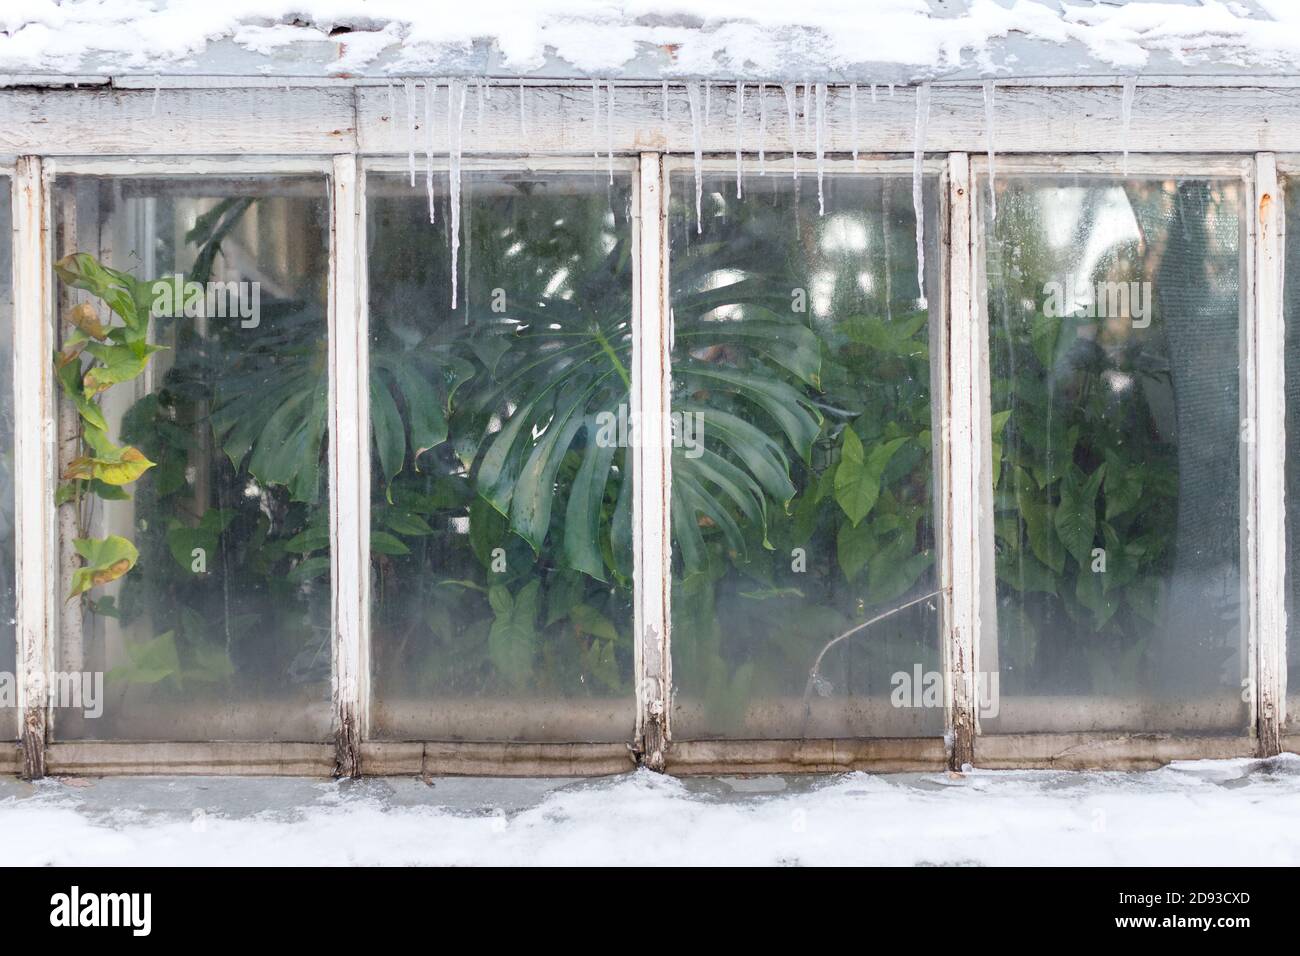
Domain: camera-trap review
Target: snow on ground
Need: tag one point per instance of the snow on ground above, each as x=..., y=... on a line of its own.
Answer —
x=707, y=37
x=1193, y=813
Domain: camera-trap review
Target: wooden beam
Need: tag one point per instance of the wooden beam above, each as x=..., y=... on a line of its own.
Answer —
x=652, y=468
x=962, y=431
x=1268, y=500
x=348, y=464
x=37, y=580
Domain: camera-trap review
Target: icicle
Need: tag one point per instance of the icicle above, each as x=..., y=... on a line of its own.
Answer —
x=918, y=163
x=891, y=90
x=693, y=99
x=740, y=118
x=455, y=128
x=788, y=89
x=819, y=125
x=609, y=132
x=873, y=92
x=1126, y=113
x=708, y=103
x=409, y=89
x=853, y=121
x=665, y=101
x=480, y=84
x=595, y=122
x=989, y=93
x=430, y=90
x=392, y=108
x=523, y=126
x=807, y=108
x=762, y=127
x=157, y=89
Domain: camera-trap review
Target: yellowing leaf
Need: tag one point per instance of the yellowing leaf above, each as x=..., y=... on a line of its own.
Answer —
x=107, y=559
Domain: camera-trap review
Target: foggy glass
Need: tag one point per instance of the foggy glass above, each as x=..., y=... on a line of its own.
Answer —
x=501, y=546
x=9, y=718
x=1115, y=310
x=222, y=629
x=803, y=499
x=1291, y=306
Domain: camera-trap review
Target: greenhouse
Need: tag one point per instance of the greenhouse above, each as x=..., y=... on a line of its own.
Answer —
x=556, y=393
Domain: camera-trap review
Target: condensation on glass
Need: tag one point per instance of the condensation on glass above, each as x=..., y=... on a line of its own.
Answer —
x=1115, y=312
x=222, y=628
x=9, y=720
x=501, y=534
x=803, y=496
x=1291, y=311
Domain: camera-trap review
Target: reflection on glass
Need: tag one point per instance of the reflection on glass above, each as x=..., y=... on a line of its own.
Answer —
x=1114, y=316
x=1291, y=301
x=501, y=554
x=803, y=496
x=221, y=629
x=9, y=721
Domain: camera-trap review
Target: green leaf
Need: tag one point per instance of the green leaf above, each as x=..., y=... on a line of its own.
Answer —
x=151, y=661
x=309, y=569
x=106, y=559
x=381, y=542
x=998, y=422
x=857, y=478
x=1076, y=514
x=428, y=422
x=587, y=620
x=386, y=426
x=586, y=500
x=854, y=546
x=512, y=639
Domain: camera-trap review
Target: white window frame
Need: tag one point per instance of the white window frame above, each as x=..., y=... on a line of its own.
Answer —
x=201, y=125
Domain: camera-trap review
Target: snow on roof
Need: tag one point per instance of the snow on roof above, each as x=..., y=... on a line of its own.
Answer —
x=860, y=40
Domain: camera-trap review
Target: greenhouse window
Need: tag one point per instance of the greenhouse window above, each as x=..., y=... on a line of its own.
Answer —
x=449, y=427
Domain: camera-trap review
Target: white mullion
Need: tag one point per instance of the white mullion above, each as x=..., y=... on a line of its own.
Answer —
x=964, y=440
x=348, y=463
x=1268, y=502
x=651, y=472
x=33, y=456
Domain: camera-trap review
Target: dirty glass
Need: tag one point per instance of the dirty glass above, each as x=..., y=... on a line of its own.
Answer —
x=803, y=455
x=1291, y=305
x=501, y=543
x=1114, y=315
x=193, y=514
x=9, y=720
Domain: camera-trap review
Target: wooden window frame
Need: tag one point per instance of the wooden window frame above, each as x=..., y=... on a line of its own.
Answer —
x=343, y=129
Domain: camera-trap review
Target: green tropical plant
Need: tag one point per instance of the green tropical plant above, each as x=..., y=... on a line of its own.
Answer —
x=94, y=357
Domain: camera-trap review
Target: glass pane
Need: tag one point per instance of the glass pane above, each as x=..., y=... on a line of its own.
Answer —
x=501, y=555
x=9, y=720
x=1291, y=305
x=1115, y=310
x=221, y=630
x=803, y=493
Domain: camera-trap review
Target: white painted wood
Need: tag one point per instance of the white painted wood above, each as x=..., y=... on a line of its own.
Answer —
x=966, y=472
x=1269, y=498
x=33, y=456
x=187, y=165
x=1031, y=119
x=652, y=469
x=275, y=119
x=348, y=464
x=89, y=122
